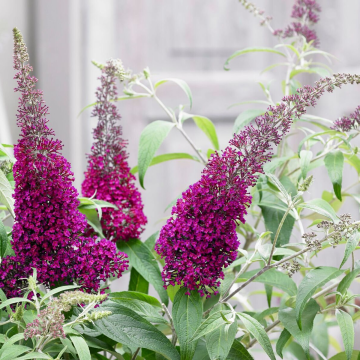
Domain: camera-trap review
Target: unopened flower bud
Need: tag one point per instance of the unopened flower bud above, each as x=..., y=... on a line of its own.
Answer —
x=97, y=315
x=305, y=185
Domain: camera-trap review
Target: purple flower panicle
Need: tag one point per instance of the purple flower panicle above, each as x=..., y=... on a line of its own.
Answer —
x=108, y=175
x=347, y=123
x=200, y=238
x=47, y=234
x=306, y=12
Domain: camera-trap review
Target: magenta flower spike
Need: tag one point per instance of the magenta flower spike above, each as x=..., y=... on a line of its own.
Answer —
x=306, y=12
x=47, y=234
x=108, y=175
x=200, y=239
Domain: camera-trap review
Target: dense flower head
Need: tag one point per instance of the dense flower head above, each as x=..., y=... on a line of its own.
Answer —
x=305, y=11
x=108, y=175
x=48, y=228
x=200, y=237
x=347, y=123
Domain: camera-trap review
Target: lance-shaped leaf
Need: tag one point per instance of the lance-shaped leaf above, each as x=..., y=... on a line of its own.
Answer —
x=150, y=140
x=245, y=118
x=129, y=328
x=167, y=157
x=6, y=193
x=288, y=318
x=187, y=315
x=347, y=331
x=219, y=342
x=250, y=50
x=313, y=280
x=351, y=244
x=258, y=332
x=321, y=207
x=142, y=259
x=280, y=344
x=184, y=86
x=334, y=163
x=213, y=322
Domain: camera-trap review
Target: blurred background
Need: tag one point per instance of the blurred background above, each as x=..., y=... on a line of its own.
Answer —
x=188, y=39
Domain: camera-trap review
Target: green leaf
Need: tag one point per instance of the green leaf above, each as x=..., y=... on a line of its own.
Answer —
x=14, y=301
x=184, y=86
x=166, y=157
x=81, y=347
x=346, y=282
x=249, y=50
x=201, y=352
x=219, y=342
x=320, y=336
x=142, y=308
x=351, y=244
x=256, y=330
x=151, y=240
x=213, y=322
x=274, y=278
x=207, y=126
x=33, y=355
x=334, y=163
x=10, y=342
x=187, y=315
x=347, y=331
x=150, y=140
x=294, y=351
x=280, y=344
x=239, y=352
x=313, y=280
x=226, y=282
x=315, y=135
x=305, y=158
x=135, y=295
x=321, y=207
x=343, y=356
x=137, y=282
x=14, y=351
x=3, y=240
x=272, y=217
x=288, y=318
x=142, y=259
x=269, y=293
x=292, y=48
x=57, y=290
x=272, y=66
x=128, y=328
x=315, y=70
x=92, y=218
x=354, y=161
x=245, y=118
x=6, y=192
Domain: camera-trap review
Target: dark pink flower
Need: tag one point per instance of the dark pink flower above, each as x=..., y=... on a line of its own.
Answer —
x=108, y=176
x=47, y=234
x=200, y=238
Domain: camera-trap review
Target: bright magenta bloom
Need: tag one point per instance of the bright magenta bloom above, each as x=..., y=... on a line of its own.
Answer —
x=47, y=234
x=108, y=176
x=200, y=239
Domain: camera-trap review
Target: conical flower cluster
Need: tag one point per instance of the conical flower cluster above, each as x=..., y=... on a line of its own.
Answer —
x=47, y=234
x=108, y=175
x=306, y=14
x=200, y=238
